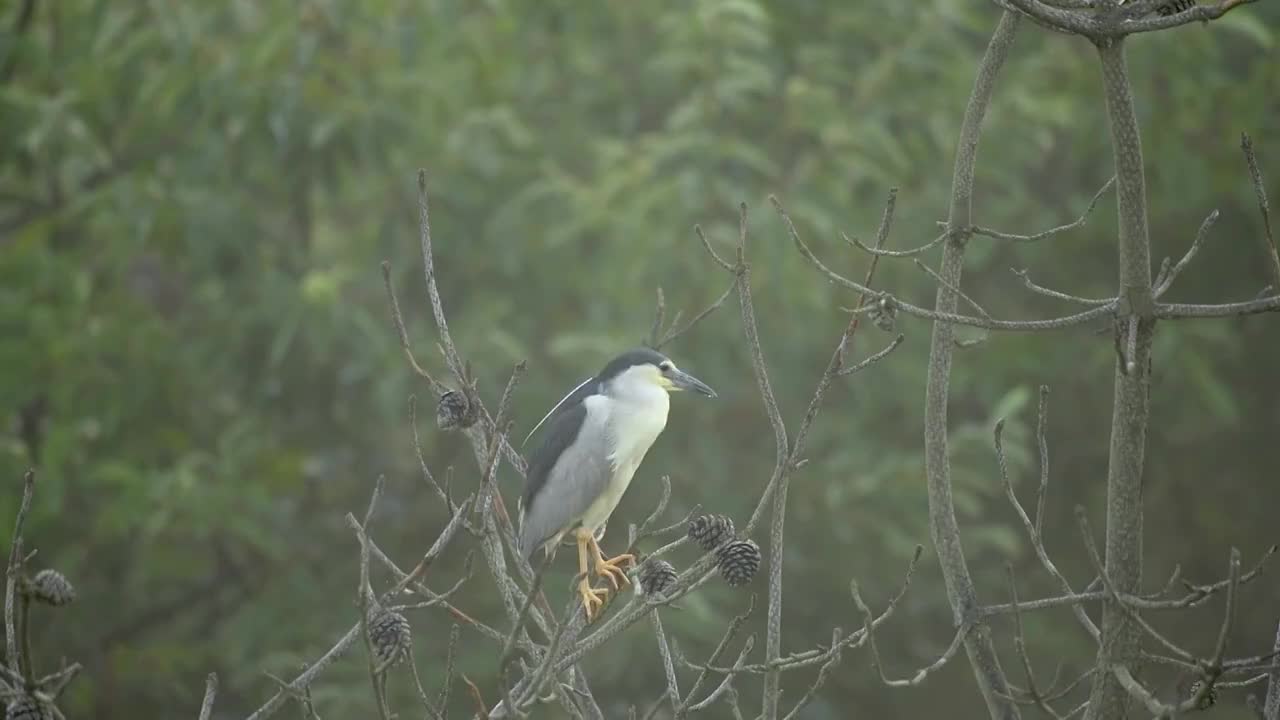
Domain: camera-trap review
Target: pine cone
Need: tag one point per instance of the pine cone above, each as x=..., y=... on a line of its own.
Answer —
x=51, y=587
x=1175, y=7
x=656, y=577
x=884, y=315
x=738, y=561
x=455, y=411
x=710, y=531
x=1210, y=698
x=391, y=635
x=25, y=707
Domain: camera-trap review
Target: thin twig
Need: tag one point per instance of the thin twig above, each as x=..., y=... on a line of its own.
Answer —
x=661, y=338
x=309, y=675
x=1185, y=311
x=1266, y=241
x=1115, y=596
x=953, y=288
x=873, y=358
x=668, y=667
x=880, y=252
x=1047, y=292
x=13, y=577
x=1032, y=527
x=729, y=634
x=818, y=682
x=367, y=602
x=726, y=685
x=210, y=692
x=1163, y=285
x=1229, y=612
x=1042, y=445
x=947, y=316
x=398, y=319
x=1271, y=706
x=697, y=230
x=1046, y=234
x=1020, y=646
x=868, y=627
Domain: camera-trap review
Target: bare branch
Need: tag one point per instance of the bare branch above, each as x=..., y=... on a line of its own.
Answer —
x=422, y=693
x=943, y=526
x=955, y=289
x=398, y=320
x=879, y=252
x=13, y=577
x=725, y=685
x=697, y=230
x=308, y=676
x=1195, y=13
x=1020, y=646
x=1163, y=284
x=664, y=650
x=1266, y=241
x=442, y=699
x=1229, y=612
x=809, y=658
x=729, y=634
x=1033, y=528
x=1108, y=26
x=1053, y=18
x=1183, y=311
x=1271, y=707
x=1041, y=290
x=1042, y=444
x=818, y=682
x=1051, y=232
x=874, y=358
x=210, y=692
x=367, y=602
x=1119, y=601
x=773, y=625
x=868, y=629
x=660, y=338
x=945, y=316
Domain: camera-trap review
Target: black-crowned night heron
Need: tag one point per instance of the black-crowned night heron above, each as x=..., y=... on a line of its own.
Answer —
x=594, y=440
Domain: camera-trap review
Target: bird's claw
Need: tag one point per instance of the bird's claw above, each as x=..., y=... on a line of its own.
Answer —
x=592, y=599
x=612, y=569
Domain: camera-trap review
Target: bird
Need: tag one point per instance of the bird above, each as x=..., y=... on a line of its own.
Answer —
x=595, y=439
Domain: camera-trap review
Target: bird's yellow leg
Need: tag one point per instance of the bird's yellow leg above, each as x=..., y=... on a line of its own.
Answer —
x=592, y=599
x=611, y=569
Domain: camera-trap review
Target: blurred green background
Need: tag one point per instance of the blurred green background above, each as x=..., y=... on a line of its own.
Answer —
x=196, y=351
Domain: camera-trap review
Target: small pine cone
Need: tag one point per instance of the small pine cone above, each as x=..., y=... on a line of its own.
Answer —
x=1175, y=7
x=51, y=587
x=710, y=531
x=738, y=561
x=656, y=577
x=25, y=707
x=391, y=635
x=884, y=315
x=1210, y=698
x=455, y=411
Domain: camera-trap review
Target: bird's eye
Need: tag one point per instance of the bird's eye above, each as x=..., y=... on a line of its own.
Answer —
x=665, y=366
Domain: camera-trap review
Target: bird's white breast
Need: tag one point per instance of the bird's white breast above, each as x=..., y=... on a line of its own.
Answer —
x=634, y=420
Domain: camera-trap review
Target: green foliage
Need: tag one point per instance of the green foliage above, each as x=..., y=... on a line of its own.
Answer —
x=195, y=347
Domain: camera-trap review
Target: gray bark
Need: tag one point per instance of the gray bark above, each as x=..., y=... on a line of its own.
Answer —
x=943, y=527
x=1135, y=319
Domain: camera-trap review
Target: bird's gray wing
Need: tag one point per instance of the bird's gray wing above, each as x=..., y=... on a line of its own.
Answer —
x=568, y=470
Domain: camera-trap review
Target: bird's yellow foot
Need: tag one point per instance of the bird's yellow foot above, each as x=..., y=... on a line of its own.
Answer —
x=612, y=569
x=592, y=599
